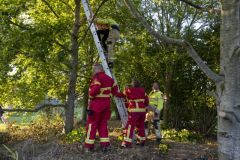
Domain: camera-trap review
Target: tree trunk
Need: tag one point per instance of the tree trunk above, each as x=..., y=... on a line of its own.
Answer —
x=167, y=92
x=228, y=92
x=69, y=110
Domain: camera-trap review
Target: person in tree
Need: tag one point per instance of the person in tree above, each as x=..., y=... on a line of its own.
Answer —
x=156, y=101
x=108, y=33
x=100, y=90
x=137, y=103
x=2, y=116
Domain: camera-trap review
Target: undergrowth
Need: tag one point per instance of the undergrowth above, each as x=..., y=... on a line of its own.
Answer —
x=182, y=135
x=77, y=135
x=41, y=129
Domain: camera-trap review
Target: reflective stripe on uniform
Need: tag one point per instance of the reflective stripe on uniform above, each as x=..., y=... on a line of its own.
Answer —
x=128, y=131
x=136, y=109
x=88, y=140
x=101, y=94
x=136, y=101
x=128, y=139
x=104, y=140
x=89, y=130
x=95, y=82
x=142, y=138
x=114, y=84
x=105, y=89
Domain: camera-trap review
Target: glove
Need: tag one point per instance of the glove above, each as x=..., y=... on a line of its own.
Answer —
x=90, y=112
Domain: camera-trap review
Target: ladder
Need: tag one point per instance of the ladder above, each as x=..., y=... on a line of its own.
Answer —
x=119, y=102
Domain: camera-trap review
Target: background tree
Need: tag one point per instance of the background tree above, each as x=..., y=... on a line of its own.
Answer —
x=36, y=48
x=227, y=91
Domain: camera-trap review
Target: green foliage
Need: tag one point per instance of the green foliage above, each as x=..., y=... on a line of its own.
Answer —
x=77, y=135
x=35, y=47
x=182, y=135
x=163, y=148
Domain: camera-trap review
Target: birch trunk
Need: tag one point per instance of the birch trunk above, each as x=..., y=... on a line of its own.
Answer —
x=229, y=91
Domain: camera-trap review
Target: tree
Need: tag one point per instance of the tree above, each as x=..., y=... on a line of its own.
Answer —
x=40, y=53
x=69, y=109
x=227, y=81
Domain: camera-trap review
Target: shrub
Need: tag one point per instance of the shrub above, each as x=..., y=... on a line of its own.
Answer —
x=163, y=148
x=77, y=135
x=41, y=129
x=182, y=135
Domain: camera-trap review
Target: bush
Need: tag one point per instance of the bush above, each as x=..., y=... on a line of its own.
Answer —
x=182, y=135
x=77, y=135
x=41, y=129
x=163, y=148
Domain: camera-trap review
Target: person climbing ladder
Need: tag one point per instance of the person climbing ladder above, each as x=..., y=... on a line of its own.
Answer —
x=89, y=15
x=108, y=33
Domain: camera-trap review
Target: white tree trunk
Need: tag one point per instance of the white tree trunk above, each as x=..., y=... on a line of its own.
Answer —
x=229, y=90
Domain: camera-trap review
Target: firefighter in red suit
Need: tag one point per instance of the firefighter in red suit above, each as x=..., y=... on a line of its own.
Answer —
x=102, y=87
x=137, y=103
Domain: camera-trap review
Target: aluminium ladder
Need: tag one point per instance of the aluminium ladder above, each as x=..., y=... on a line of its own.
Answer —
x=119, y=102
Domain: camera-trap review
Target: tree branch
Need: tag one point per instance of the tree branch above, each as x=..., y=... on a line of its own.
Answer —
x=179, y=42
x=204, y=9
x=50, y=7
x=192, y=4
x=33, y=110
x=67, y=5
x=18, y=25
x=163, y=39
x=193, y=54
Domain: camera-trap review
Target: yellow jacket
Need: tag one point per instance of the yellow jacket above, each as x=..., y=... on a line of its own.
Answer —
x=108, y=21
x=156, y=99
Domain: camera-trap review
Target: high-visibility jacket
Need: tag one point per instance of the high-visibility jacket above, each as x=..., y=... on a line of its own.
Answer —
x=108, y=21
x=137, y=99
x=102, y=87
x=156, y=99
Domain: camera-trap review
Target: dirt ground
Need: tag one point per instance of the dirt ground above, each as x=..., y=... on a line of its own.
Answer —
x=56, y=150
x=30, y=150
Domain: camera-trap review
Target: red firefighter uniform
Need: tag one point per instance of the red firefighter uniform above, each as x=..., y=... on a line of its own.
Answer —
x=137, y=102
x=102, y=87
